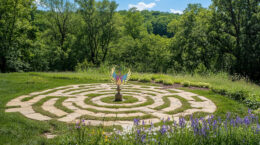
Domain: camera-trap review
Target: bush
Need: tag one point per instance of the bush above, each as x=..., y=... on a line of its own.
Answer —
x=159, y=81
x=251, y=102
x=186, y=84
x=84, y=66
x=145, y=80
x=168, y=82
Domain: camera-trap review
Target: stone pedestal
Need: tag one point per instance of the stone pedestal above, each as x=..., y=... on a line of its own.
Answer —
x=118, y=96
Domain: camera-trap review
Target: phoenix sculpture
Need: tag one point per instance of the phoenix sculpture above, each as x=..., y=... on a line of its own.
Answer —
x=119, y=78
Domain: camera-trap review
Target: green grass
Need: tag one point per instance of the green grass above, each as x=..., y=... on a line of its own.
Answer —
x=17, y=129
x=171, y=91
x=166, y=103
x=223, y=103
x=197, y=115
x=38, y=109
x=197, y=99
x=58, y=104
x=70, y=90
x=107, y=112
x=126, y=99
x=148, y=102
x=88, y=117
x=185, y=105
x=48, y=92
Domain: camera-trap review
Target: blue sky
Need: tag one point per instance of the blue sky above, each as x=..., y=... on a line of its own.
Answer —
x=174, y=6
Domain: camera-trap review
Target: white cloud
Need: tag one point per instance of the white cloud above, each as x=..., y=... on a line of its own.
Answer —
x=37, y=2
x=157, y=0
x=176, y=11
x=142, y=6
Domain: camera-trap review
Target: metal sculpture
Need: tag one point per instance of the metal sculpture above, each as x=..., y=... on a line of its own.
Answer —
x=119, y=78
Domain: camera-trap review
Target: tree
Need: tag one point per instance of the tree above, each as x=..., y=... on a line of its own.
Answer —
x=99, y=27
x=59, y=22
x=239, y=20
x=160, y=26
x=134, y=23
x=190, y=48
x=16, y=34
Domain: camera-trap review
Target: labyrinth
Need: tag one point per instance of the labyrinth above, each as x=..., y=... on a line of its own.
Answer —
x=94, y=103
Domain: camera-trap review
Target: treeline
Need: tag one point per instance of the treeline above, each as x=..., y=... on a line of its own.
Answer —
x=87, y=33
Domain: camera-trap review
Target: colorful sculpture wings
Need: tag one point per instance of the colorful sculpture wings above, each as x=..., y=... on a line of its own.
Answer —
x=119, y=77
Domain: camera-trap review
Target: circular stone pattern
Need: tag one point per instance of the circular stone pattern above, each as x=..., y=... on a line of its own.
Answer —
x=94, y=103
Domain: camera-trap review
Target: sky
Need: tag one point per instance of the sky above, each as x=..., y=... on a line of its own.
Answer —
x=172, y=6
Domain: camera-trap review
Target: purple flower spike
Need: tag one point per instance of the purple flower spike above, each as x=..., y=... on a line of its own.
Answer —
x=246, y=120
x=163, y=129
x=182, y=122
x=214, y=124
x=228, y=115
x=257, y=128
x=219, y=120
x=143, y=138
x=138, y=131
x=136, y=122
x=249, y=111
x=143, y=123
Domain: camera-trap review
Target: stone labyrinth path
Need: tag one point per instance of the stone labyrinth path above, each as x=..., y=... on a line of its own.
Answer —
x=93, y=102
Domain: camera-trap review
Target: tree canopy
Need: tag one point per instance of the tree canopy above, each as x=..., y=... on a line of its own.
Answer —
x=90, y=33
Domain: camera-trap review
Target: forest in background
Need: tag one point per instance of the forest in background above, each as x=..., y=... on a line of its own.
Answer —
x=87, y=33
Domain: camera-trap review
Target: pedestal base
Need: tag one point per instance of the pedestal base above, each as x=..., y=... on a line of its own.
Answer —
x=118, y=97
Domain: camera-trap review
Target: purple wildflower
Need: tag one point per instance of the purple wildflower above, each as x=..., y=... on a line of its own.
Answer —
x=246, y=120
x=203, y=131
x=249, y=111
x=151, y=126
x=143, y=138
x=136, y=122
x=232, y=122
x=257, y=128
x=195, y=126
x=225, y=124
x=219, y=120
x=239, y=121
x=228, y=115
x=214, y=124
x=182, y=122
x=143, y=123
x=163, y=129
x=138, y=131
x=174, y=124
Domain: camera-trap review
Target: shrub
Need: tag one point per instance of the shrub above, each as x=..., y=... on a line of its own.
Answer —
x=168, y=82
x=134, y=78
x=186, y=84
x=159, y=80
x=251, y=102
x=145, y=80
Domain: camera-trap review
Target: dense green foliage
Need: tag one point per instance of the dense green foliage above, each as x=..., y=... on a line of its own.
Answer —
x=88, y=33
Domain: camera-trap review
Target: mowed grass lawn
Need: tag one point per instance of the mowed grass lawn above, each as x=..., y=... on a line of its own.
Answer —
x=17, y=129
